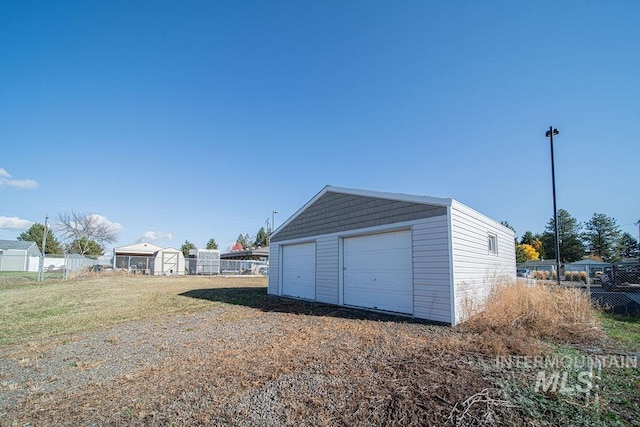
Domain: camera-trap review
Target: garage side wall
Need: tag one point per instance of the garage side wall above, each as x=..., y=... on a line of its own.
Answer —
x=431, y=270
x=477, y=265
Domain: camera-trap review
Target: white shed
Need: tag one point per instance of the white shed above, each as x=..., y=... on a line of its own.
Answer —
x=18, y=255
x=426, y=257
x=168, y=262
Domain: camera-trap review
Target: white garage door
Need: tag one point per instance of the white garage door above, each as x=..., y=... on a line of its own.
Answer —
x=299, y=270
x=378, y=271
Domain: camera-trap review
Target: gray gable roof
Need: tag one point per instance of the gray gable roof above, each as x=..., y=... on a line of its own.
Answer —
x=18, y=245
x=337, y=209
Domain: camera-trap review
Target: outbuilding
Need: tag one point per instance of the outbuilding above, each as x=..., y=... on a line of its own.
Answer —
x=168, y=262
x=135, y=258
x=427, y=257
x=18, y=255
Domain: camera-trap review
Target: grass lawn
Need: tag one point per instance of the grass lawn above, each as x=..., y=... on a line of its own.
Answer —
x=37, y=310
x=625, y=330
x=16, y=277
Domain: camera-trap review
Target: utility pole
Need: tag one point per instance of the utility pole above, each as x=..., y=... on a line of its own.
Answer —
x=273, y=222
x=268, y=231
x=44, y=245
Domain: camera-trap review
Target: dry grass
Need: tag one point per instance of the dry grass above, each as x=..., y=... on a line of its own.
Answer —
x=518, y=316
x=34, y=311
x=303, y=370
x=261, y=360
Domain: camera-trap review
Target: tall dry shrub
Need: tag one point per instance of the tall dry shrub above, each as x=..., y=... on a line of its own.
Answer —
x=536, y=312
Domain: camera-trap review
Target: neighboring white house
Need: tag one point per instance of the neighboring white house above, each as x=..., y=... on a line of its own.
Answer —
x=427, y=257
x=17, y=255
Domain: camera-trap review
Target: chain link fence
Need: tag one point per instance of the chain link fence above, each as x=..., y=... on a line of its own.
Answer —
x=192, y=266
x=613, y=287
x=21, y=267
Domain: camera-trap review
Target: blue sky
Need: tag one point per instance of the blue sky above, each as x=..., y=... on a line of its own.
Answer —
x=196, y=119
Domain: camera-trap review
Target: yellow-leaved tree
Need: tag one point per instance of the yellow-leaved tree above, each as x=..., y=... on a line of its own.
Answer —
x=530, y=253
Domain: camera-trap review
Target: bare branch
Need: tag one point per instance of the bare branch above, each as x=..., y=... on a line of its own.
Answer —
x=74, y=225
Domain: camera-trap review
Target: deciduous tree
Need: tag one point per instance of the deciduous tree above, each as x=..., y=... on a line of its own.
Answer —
x=529, y=252
x=246, y=241
x=75, y=226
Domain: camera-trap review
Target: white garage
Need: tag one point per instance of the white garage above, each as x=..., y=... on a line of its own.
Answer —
x=299, y=270
x=426, y=257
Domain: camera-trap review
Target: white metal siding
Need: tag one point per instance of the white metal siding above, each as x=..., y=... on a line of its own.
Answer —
x=299, y=270
x=378, y=271
x=327, y=269
x=476, y=270
x=274, y=270
x=431, y=270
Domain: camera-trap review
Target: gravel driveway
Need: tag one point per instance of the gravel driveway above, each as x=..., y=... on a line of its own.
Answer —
x=307, y=364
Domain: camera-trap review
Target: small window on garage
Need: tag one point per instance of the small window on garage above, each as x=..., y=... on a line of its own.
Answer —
x=493, y=244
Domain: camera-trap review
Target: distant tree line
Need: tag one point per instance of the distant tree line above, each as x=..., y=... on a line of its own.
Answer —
x=599, y=238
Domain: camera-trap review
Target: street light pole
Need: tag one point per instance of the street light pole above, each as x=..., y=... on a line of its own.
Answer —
x=638, y=224
x=549, y=135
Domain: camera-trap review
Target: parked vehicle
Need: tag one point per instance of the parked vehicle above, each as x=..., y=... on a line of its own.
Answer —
x=618, y=276
x=523, y=272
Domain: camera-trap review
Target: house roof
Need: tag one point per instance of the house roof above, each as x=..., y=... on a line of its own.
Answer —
x=168, y=250
x=138, y=248
x=589, y=262
x=18, y=245
x=263, y=251
x=544, y=262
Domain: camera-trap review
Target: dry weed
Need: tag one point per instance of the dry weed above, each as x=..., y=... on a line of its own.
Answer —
x=517, y=316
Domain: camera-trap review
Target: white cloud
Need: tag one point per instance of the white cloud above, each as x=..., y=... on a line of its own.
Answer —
x=155, y=236
x=13, y=222
x=113, y=225
x=7, y=181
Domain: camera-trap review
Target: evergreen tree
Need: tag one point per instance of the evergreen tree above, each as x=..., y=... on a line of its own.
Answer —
x=602, y=237
x=262, y=238
x=84, y=246
x=34, y=234
x=571, y=247
x=186, y=246
x=527, y=238
x=211, y=244
x=628, y=246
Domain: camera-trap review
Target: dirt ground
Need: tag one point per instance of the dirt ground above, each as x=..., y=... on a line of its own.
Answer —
x=257, y=360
